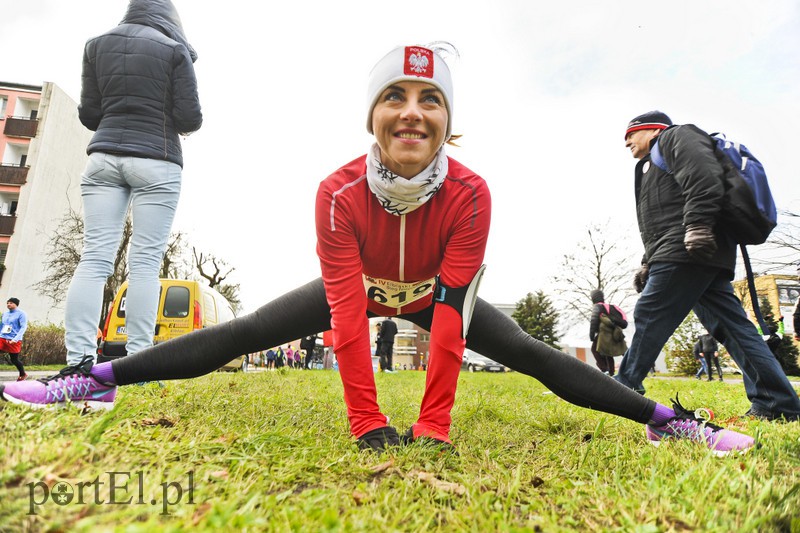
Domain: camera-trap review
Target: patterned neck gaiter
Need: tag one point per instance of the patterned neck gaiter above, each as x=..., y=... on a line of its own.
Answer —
x=398, y=195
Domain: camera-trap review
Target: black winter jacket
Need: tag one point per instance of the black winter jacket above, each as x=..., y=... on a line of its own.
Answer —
x=692, y=194
x=139, y=89
x=708, y=344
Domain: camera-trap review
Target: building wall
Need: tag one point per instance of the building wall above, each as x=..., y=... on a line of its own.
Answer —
x=57, y=156
x=781, y=290
x=15, y=101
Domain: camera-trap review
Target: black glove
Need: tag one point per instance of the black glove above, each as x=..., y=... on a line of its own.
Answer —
x=700, y=242
x=445, y=447
x=640, y=278
x=379, y=439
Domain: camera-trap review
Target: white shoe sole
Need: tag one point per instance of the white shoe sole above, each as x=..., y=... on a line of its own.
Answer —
x=717, y=453
x=85, y=405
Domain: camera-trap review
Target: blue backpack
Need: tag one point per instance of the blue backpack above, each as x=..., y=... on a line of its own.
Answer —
x=748, y=211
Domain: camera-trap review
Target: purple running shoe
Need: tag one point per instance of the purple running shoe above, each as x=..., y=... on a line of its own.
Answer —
x=73, y=384
x=686, y=425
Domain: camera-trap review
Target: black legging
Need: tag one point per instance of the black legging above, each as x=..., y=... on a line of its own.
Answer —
x=17, y=363
x=305, y=311
x=710, y=357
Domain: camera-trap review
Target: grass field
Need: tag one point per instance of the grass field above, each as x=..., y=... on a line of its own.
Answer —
x=28, y=368
x=270, y=451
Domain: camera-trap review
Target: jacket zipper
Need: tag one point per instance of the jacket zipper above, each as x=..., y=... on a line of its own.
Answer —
x=402, y=266
x=402, y=269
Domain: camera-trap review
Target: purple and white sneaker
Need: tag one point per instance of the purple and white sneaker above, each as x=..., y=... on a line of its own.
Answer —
x=73, y=384
x=686, y=425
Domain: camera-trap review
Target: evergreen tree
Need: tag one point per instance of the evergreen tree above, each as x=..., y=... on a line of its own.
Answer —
x=786, y=352
x=680, y=346
x=536, y=315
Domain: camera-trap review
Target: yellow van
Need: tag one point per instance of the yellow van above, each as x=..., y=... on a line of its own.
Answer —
x=183, y=306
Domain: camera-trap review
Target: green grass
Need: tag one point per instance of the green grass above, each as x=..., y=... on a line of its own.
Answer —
x=271, y=452
x=11, y=368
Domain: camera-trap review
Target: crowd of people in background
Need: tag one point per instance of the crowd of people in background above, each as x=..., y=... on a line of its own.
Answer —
x=282, y=356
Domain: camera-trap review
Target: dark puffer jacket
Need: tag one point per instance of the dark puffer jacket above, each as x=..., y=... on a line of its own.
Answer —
x=139, y=88
x=692, y=194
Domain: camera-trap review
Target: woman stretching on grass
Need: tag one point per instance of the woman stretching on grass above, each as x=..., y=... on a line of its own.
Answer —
x=401, y=231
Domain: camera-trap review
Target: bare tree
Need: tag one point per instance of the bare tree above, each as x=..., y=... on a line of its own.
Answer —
x=215, y=271
x=63, y=253
x=211, y=268
x=602, y=261
x=175, y=265
x=782, y=249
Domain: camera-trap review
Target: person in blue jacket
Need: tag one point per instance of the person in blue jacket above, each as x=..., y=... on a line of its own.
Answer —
x=13, y=327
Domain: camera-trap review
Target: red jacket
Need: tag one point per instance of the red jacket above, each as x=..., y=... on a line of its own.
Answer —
x=386, y=263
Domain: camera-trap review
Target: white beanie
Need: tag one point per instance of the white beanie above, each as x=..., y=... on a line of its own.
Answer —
x=410, y=63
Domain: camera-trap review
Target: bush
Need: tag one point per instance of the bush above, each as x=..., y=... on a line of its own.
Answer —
x=43, y=344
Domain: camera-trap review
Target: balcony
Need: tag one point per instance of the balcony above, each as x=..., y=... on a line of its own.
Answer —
x=7, y=223
x=21, y=127
x=13, y=174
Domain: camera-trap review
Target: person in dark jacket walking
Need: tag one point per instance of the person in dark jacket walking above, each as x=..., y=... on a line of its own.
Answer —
x=138, y=94
x=710, y=352
x=307, y=344
x=605, y=361
x=689, y=263
x=388, y=331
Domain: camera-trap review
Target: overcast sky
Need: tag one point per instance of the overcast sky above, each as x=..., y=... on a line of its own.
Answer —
x=543, y=92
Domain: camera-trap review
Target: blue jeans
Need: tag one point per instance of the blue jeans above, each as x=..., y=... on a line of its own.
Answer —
x=672, y=290
x=703, y=368
x=109, y=185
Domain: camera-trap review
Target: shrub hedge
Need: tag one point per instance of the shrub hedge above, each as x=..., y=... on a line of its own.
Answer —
x=43, y=344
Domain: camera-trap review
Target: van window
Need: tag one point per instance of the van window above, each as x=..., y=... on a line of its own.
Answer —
x=176, y=303
x=211, y=309
x=122, y=302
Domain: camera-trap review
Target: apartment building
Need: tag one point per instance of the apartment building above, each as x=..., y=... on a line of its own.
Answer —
x=781, y=291
x=42, y=155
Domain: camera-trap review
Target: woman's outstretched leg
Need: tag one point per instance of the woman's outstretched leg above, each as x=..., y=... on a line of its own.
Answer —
x=298, y=313
x=301, y=312
x=496, y=336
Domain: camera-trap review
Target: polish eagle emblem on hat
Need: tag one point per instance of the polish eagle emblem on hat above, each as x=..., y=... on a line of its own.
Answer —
x=419, y=62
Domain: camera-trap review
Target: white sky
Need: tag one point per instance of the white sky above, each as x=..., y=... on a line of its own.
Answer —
x=543, y=91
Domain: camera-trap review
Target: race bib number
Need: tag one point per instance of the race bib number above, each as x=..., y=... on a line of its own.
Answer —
x=6, y=328
x=397, y=294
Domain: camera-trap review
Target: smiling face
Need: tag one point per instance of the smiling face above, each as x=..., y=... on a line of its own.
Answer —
x=409, y=121
x=638, y=142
